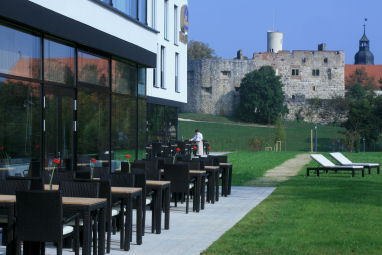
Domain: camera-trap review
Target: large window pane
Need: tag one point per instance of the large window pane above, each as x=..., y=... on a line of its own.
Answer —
x=93, y=69
x=124, y=78
x=20, y=112
x=123, y=126
x=92, y=124
x=59, y=126
x=19, y=53
x=142, y=81
x=128, y=7
x=58, y=62
x=142, y=11
x=171, y=119
x=142, y=128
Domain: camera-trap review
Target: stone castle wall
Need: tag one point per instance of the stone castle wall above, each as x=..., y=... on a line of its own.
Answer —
x=214, y=84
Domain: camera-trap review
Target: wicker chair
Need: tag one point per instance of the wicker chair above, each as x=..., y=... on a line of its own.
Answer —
x=58, y=176
x=9, y=187
x=36, y=183
x=39, y=218
x=156, y=149
x=179, y=176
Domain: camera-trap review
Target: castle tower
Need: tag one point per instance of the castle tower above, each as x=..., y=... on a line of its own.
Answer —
x=274, y=41
x=364, y=55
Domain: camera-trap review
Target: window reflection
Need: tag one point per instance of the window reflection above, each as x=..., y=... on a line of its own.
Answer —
x=162, y=122
x=92, y=69
x=123, y=132
x=58, y=62
x=127, y=6
x=92, y=124
x=142, y=127
x=141, y=81
x=19, y=53
x=124, y=78
x=19, y=126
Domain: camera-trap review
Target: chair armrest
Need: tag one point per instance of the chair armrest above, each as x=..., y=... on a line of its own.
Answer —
x=69, y=219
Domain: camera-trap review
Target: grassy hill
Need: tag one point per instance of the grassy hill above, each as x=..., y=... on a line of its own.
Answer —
x=225, y=134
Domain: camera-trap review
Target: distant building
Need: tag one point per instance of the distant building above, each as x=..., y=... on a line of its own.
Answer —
x=364, y=55
x=372, y=71
x=214, y=84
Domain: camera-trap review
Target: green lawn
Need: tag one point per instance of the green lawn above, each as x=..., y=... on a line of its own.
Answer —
x=252, y=165
x=330, y=214
x=227, y=135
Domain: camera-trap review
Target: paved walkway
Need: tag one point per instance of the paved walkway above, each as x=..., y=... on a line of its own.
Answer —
x=284, y=171
x=193, y=232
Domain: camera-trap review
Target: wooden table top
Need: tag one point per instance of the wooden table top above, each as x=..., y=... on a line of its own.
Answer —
x=65, y=200
x=225, y=164
x=54, y=186
x=6, y=168
x=197, y=172
x=191, y=171
x=211, y=167
x=124, y=190
x=157, y=183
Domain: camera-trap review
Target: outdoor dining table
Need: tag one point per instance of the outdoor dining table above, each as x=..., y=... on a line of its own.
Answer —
x=226, y=178
x=72, y=205
x=159, y=187
x=213, y=183
x=126, y=195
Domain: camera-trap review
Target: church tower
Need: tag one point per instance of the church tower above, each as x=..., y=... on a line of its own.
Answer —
x=364, y=55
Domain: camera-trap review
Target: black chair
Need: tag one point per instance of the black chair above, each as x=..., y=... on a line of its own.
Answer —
x=79, y=189
x=179, y=177
x=156, y=149
x=152, y=170
x=58, y=176
x=39, y=218
x=36, y=183
x=9, y=187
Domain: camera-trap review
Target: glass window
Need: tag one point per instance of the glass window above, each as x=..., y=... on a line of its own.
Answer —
x=154, y=14
x=165, y=19
x=58, y=62
x=171, y=120
x=59, y=125
x=176, y=25
x=128, y=7
x=124, y=78
x=142, y=11
x=92, y=124
x=142, y=81
x=177, y=72
x=93, y=69
x=123, y=132
x=20, y=116
x=19, y=53
x=142, y=127
x=162, y=68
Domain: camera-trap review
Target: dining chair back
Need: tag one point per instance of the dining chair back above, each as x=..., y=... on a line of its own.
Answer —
x=58, y=176
x=179, y=176
x=156, y=149
x=36, y=182
x=39, y=216
x=9, y=187
x=79, y=189
x=122, y=180
x=151, y=169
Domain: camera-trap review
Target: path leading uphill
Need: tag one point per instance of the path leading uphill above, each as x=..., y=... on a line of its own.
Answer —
x=282, y=172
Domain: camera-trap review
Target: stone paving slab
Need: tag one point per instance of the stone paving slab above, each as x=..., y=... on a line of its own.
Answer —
x=193, y=232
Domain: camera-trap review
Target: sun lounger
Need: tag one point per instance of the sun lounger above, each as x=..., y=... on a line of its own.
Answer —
x=346, y=162
x=327, y=165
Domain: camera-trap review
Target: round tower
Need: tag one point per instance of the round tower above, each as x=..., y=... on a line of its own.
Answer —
x=274, y=41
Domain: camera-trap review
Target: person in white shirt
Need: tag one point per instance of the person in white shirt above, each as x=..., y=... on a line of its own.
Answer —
x=198, y=138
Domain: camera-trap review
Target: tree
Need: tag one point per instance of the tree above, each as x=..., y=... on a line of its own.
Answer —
x=261, y=97
x=199, y=50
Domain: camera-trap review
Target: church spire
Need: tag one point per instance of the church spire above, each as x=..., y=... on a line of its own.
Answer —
x=364, y=56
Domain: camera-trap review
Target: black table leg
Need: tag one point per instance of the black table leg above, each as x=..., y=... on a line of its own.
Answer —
x=230, y=180
x=95, y=230
x=203, y=190
x=101, y=233
x=122, y=225
x=159, y=211
x=139, y=219
x=128, y=225
x=167, y=208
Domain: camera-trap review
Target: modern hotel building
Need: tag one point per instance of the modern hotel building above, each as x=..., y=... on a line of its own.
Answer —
x=82, y=79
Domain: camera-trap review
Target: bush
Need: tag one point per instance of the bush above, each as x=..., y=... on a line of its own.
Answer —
x=256, y=143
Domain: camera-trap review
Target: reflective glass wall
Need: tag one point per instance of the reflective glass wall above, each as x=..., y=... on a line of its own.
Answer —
x=162, y=122
x=59, y=101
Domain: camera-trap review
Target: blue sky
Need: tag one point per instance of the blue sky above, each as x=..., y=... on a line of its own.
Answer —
x=229, y=25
